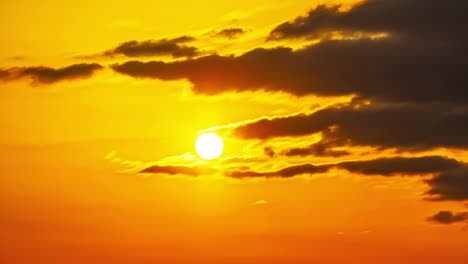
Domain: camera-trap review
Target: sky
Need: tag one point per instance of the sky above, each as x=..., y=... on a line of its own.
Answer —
x=344, y=126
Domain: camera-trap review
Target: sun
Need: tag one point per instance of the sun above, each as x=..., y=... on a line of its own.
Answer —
x=209, y=146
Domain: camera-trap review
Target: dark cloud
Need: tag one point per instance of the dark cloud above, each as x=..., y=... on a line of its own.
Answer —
x=422, y=60
x=400, y=165
x=450, y=185
x=379, y=69
x=172, y=170
x=269, y=151
x=283, y=173
x=415, y=79
x=426, y=19
x=172, y=47
x=407, y=126
x=230, y=33
x=321, y=149
x=47, y=75
x=4, y=74
x=450, y=182
x=382, y=166
x=448, y=217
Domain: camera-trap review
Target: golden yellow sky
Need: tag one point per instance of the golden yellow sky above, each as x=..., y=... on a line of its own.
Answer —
x=72, y=150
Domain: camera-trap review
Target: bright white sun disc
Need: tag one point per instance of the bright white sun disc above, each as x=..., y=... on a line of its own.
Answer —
x=209, y=146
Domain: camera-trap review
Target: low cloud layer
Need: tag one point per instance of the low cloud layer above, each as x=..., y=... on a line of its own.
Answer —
x=383, y=166
x=408, y=126
x=400, y=165
x=4, y=74
x=283, y=173
x=173, y=170
x=381, y=69
x=47, y=75
x=448, y=183
x=448, y=217
x=320, y=149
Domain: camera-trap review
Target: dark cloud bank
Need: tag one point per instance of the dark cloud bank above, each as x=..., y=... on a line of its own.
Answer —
x=424, y=19
x=384, y=166
x=409, y=127
x=383, y=69
x=404, y=126
x=415, y=78
x=47, y=75
x=422, y=60
x=449, y=184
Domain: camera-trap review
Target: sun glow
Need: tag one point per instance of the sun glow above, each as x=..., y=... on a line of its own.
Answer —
x=209, y=146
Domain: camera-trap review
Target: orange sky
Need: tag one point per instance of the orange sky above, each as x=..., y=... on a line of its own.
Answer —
x=72, y=150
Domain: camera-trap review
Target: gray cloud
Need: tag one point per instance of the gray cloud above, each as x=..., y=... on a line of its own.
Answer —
x=321, y=149
x=283, y=173
x=47, y=75
x=449, y=185
x=448, y=217
x=173, y=170
x=230, y=33
x=171, y=47
x=407, y=126
x=269, y=151
x=426, y=19
x=401, y=165
x=382, y=166
x=379, y=69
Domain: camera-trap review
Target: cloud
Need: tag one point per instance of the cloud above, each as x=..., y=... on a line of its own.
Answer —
x=414, y=80
x=47, y=75
x=171, y=47
x=432, y=19
x=269, y=151
x=400, y=165
x=377, y=69
x=4, y=74
x=283, y=173
x=405, y=126
x=422, y=60
x=230, y=33
x=449, y=185
x=184, y=170
x=321, y=149
x=156, y=48
x=448, y=217
x=383, y=166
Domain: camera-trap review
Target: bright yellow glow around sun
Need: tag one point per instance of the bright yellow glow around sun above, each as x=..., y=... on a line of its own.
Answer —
x=209, y=146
